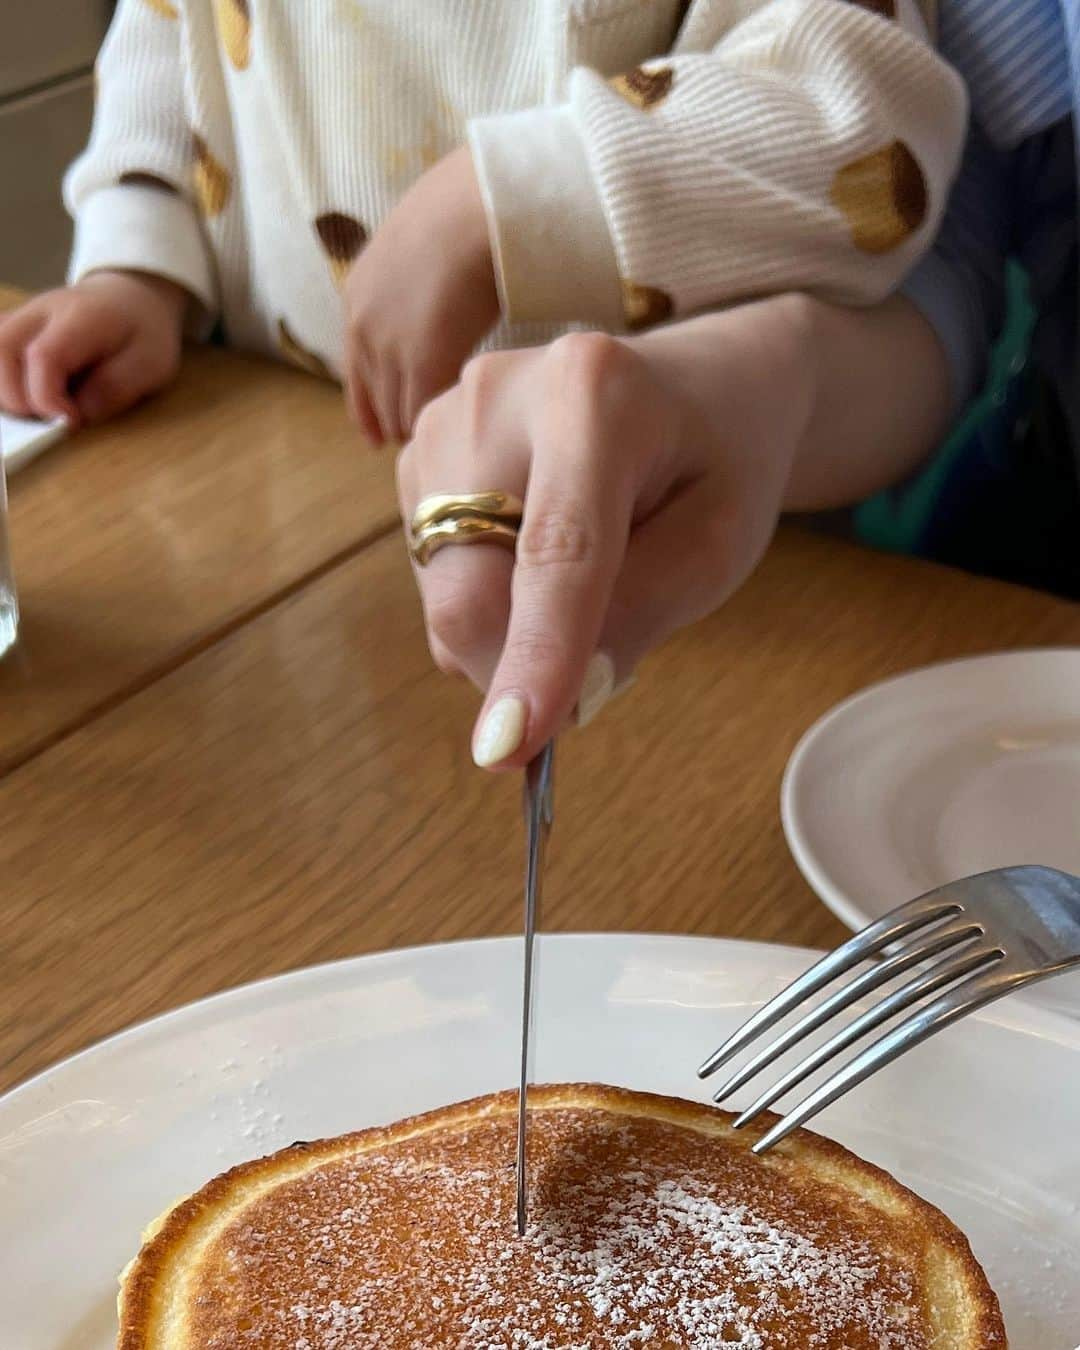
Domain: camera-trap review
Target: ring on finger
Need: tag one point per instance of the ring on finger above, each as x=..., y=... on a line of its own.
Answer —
x=463, y=518
x=503, y=506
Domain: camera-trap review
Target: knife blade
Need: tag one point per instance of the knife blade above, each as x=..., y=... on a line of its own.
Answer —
x=538, y=817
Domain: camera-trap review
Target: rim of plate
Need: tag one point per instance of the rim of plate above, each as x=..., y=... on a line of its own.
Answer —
x=1028, y=1017
x=846, y=909
x=234, y=993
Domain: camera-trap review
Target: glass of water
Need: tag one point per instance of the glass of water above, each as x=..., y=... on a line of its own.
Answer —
x=9, y=606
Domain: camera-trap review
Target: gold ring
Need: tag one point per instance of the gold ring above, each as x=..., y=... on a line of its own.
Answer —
x=465, y=530
x=452, y=506
x=463, y=518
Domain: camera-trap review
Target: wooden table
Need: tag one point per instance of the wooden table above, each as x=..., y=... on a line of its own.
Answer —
x=144, y=542
x=225, y=752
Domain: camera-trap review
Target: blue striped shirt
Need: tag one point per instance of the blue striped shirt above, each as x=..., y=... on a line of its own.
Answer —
x=1015, y=59
x=1016, y=194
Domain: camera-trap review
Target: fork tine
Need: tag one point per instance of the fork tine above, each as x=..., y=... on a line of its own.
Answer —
x=940, y=977
x=912, y=954
x=898, y=923
x=975, y=992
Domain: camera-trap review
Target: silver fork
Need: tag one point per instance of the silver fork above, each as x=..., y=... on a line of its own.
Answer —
x=975, y=939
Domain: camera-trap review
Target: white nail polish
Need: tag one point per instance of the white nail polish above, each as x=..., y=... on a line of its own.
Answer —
x=501, y=732
x=596, y=688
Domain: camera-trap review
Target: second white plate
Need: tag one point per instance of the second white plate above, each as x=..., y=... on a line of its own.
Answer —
x=939, y=774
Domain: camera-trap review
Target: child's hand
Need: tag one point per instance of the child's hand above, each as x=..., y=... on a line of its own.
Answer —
x=89, y=351
x=418, y=300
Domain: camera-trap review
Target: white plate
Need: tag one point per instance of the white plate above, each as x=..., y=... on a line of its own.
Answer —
x=939, y=774
x=983, y=1121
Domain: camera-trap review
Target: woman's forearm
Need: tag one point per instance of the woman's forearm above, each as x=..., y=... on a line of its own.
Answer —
x=867, y=390
x=880, y=403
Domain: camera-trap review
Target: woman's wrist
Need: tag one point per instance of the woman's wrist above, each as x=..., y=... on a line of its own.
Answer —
x=836, y=403
x=744, y=380
x=880, y=405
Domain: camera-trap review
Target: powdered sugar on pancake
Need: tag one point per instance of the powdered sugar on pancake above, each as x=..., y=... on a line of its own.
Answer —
x=643, y=1233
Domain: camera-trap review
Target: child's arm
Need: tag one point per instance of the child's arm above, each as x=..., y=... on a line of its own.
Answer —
x=133, y=192
x=783, y=145
x=140, y=259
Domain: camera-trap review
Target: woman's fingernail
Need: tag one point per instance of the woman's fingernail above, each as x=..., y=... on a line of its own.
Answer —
x=596, y=688
x=501, y=732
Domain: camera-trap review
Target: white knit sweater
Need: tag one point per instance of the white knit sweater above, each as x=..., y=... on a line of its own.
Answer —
x=638, y=158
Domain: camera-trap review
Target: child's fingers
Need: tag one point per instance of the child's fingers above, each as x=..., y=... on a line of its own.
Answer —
x=360, y=379
x=16, y=330
x=118, y=382
x=12, y=382
x=421, y=383
x=70, y=342
x=362, y=412
x=385, y=394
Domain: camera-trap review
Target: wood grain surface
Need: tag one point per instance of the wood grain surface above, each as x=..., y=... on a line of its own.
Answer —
x=140, y=542
x=301, y=789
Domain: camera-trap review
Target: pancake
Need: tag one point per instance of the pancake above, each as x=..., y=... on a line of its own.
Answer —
x=651, y=1224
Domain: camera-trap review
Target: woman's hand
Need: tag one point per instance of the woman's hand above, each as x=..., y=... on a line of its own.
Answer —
x=653, y=472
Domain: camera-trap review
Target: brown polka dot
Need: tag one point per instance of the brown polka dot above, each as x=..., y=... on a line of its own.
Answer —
x=138, y=178
x=886, y=8
x=342, y=237
x=644, y=88
x=212, y=183
x=883, y=197
x=645, y=305
x=299, y=355
x=234, y=25
x=164, y=8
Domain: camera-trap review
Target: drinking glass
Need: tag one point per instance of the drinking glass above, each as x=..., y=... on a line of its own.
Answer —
x=9, y=605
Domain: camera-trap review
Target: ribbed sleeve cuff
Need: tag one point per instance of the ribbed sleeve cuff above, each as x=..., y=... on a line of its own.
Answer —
x=144, y=229
x=552, y=248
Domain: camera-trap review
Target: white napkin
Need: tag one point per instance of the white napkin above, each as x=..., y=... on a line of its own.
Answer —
x=21, y=438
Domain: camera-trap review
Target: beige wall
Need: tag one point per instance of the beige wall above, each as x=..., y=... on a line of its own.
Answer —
x=47, y=49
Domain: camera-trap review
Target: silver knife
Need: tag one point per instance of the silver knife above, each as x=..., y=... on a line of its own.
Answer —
x=538, y=816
